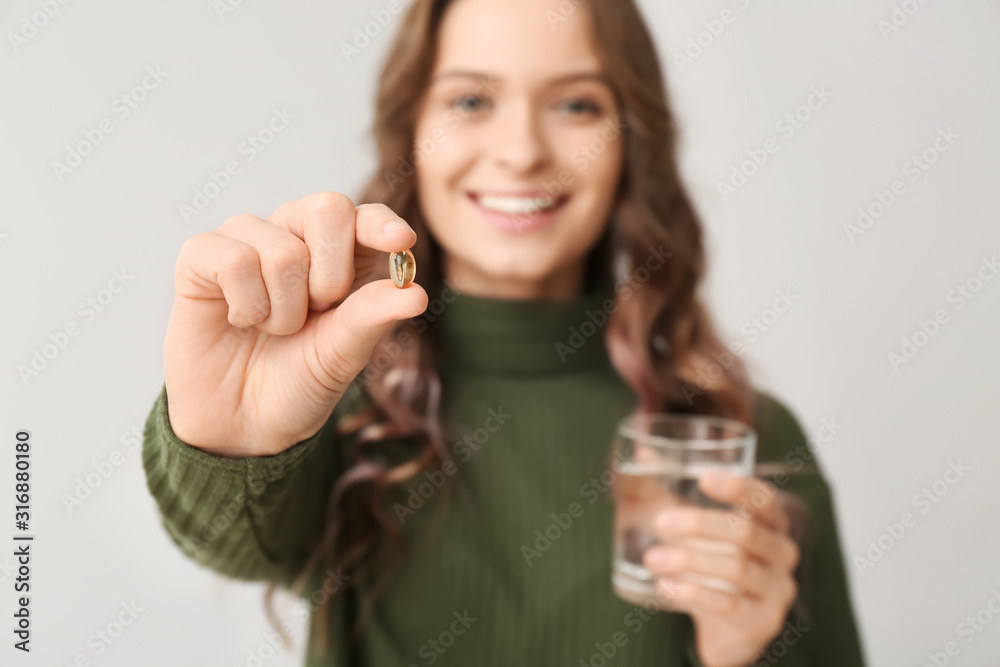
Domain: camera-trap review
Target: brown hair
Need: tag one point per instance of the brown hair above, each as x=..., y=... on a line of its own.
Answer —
x=660, y=339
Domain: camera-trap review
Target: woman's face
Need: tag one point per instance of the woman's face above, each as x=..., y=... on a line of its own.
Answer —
x=519, y=147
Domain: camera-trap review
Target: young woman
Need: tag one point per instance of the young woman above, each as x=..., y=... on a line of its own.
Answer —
x=427, y=467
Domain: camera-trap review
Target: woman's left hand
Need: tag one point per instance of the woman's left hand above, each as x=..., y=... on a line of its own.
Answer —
x=730, y=629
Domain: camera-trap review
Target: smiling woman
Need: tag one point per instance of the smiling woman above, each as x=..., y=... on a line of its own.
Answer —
x=531, y=166
x=548, y=99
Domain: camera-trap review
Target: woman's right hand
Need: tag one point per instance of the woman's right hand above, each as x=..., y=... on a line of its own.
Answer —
x=254, y=359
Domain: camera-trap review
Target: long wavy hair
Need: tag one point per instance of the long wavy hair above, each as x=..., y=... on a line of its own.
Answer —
x=660, y=339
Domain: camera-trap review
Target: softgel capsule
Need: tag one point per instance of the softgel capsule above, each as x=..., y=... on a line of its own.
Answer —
x=402, y=268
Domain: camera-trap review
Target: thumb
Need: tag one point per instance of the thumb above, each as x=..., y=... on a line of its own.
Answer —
x=347, y=335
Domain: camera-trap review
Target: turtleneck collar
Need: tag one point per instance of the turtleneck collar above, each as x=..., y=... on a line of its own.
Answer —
x=520, y=337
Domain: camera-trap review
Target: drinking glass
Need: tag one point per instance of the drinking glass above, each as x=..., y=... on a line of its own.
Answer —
x=657, y=459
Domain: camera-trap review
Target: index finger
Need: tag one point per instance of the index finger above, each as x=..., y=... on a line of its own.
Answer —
x=749, y=496
x=337, y=234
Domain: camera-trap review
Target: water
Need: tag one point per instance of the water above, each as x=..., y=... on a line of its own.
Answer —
x=641, y=492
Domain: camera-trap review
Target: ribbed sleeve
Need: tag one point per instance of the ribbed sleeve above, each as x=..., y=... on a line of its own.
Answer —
x=252, y=518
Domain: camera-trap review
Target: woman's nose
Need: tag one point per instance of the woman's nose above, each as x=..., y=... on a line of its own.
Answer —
x=518, y=141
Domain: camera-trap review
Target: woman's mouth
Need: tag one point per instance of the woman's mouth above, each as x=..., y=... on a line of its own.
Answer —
x=517, y=213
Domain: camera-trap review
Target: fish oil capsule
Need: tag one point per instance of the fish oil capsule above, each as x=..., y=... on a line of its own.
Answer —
x=402, y=268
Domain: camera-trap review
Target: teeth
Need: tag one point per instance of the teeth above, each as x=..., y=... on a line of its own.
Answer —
x=517, y=205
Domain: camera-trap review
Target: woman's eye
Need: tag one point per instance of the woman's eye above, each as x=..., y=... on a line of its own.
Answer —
x=582, y=106
x=467, y=103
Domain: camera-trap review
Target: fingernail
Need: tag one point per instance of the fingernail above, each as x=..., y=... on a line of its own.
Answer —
x=667, y=519
x=668, y=587
x=715, y=480
x=393, y=225
x=659, y=558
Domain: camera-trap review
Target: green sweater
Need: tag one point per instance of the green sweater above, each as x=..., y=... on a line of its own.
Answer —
x=516, y=572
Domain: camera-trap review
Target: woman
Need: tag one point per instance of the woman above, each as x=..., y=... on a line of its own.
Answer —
x=399, y=457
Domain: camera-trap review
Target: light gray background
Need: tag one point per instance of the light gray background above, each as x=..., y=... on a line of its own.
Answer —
x=826, y=356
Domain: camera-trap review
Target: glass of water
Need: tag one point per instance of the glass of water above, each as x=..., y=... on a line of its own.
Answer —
x=657, y=459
